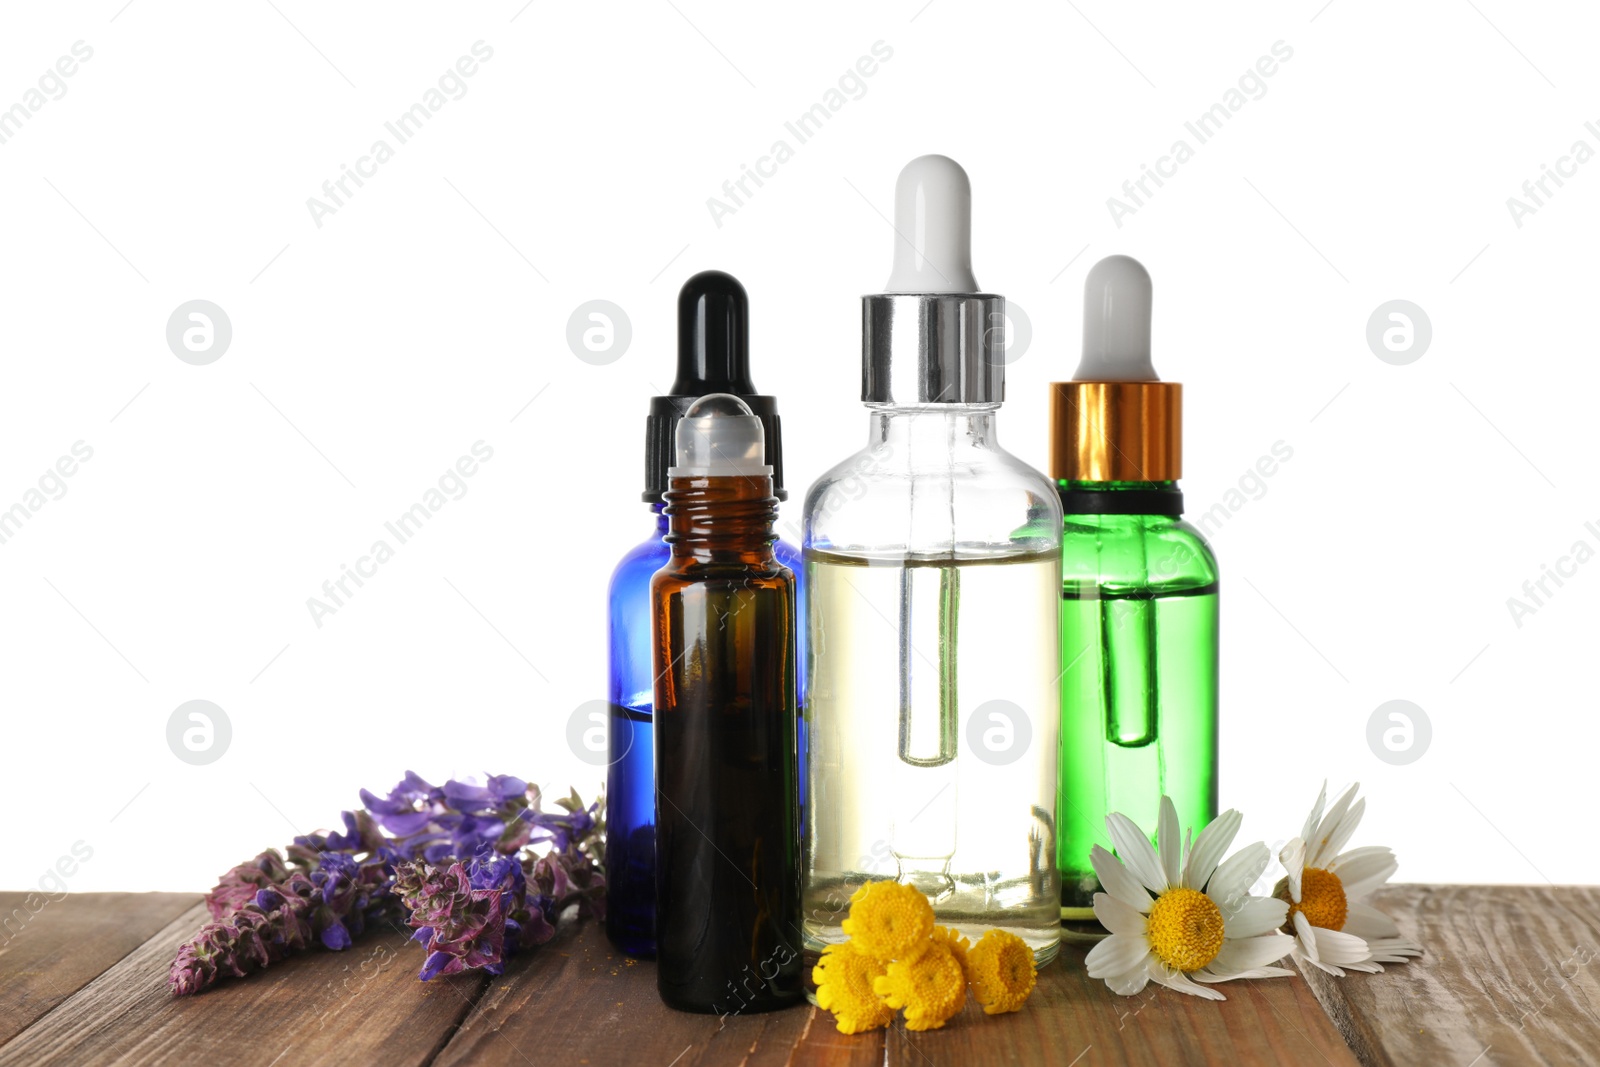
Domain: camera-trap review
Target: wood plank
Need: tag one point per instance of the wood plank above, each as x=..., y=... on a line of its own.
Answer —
x=360, y=1006
x=50, y=949
x=1511, y=977
x=578, y=1000
x=586, y=1003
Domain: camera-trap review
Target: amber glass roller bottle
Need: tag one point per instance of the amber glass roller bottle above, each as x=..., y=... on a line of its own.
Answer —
x=727, y=835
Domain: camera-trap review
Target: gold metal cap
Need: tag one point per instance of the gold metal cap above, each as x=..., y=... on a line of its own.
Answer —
x=1116, y=431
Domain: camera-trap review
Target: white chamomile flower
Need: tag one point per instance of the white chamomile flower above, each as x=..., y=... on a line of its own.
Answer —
x=1334, y=930
x=1180, y=914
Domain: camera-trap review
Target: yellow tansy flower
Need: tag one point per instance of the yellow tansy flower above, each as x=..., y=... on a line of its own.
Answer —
x=889, y=921
x=954, y=941
x=844, y=977
x=931, y=988
x=1000, y=968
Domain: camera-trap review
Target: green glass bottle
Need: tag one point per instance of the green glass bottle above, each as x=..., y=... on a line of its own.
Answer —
x=1139, y=606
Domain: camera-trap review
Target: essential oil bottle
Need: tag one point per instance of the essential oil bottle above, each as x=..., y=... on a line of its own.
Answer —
x=713, y=357
x=727, y=834
x=933, y=579
x=1138, y=593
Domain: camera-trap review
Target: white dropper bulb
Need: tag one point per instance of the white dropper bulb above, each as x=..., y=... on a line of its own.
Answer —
x=933, y=228
x=1116, y=323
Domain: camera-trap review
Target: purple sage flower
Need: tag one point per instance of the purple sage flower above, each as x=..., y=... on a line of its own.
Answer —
x=479, y=870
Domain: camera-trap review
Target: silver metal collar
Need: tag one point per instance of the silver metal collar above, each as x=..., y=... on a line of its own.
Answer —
x=933, y=348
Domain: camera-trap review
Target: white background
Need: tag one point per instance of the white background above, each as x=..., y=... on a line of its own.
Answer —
x=427, y=312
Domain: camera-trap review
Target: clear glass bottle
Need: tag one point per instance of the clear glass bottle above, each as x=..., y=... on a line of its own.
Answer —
x=1139, y=607
x=932, y=563
x=713, y=356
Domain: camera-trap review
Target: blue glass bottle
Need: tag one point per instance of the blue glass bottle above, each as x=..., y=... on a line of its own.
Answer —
x=630, y=778
x=713, y=357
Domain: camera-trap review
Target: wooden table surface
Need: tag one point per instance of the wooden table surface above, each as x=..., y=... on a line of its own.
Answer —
x=1512, y=976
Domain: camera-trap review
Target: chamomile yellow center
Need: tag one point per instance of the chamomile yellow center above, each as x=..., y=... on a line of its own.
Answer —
x=1184, y=929
x=1322, y=899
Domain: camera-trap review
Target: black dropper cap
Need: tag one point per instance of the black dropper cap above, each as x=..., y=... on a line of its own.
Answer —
x=713, y=357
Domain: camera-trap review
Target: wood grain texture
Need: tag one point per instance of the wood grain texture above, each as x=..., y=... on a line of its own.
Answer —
x=577, y=1000
x=51, y=949
x=585, y=1003
x=361, y=1006
x=1511, y=977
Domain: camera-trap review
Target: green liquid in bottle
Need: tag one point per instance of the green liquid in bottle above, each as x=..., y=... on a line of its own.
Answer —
x=1138, y=686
